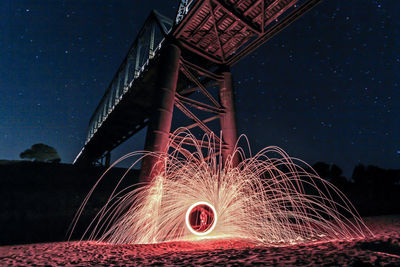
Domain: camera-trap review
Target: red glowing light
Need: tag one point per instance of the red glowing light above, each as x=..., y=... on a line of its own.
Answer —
x=201, y=218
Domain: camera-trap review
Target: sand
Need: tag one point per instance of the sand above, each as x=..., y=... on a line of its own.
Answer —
x=381, y=250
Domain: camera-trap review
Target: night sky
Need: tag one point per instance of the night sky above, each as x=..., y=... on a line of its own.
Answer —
x=325, y=89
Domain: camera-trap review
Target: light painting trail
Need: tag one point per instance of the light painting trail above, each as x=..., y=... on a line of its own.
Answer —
x=269, y=198
x=201, y=218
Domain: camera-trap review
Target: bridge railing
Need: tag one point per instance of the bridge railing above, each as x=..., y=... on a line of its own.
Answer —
x=147, y=44
x=183, y=9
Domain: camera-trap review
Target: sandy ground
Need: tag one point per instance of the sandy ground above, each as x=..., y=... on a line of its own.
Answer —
x=381, y=250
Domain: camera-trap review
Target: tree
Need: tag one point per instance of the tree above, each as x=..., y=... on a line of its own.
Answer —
x=323, y=169
x=41, y=152
x=331, y=173
x=335, y=171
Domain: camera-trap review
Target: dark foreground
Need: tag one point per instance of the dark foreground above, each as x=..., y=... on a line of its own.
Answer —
x=381, y=250
x=36, y=195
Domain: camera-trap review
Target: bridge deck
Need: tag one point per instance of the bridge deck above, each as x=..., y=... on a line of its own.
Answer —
x=218, y=29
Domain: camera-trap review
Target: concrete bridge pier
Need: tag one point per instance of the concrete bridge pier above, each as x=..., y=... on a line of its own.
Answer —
x=160, y=123
x=228, y=119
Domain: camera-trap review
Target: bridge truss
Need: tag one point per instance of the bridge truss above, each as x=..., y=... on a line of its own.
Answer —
x=185, y=65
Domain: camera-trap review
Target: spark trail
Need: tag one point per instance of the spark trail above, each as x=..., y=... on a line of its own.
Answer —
x=269, y=198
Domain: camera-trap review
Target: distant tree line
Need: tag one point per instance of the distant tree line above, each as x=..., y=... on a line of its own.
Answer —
x=362, y=175
x=373, y=190
x=41, y=152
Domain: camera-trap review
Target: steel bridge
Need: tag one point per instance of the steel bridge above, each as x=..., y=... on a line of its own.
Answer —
x=184, y=63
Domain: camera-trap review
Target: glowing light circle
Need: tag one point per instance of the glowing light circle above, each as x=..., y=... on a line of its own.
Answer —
x=207, y=207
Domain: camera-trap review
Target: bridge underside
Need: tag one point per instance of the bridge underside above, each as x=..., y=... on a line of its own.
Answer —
x=206, y=38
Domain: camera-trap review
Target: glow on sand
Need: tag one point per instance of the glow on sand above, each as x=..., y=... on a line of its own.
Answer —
x=269, y=198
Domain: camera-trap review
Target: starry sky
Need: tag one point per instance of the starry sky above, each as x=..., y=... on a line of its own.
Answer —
x=325, y=89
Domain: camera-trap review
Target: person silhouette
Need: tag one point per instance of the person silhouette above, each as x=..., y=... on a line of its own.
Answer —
x=203, y=220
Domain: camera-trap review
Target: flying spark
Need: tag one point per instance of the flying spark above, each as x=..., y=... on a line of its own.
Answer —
x=269, y=198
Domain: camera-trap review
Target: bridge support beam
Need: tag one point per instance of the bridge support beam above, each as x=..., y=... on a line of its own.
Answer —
x=160, y=123
x=228, y=119
x=107, y=159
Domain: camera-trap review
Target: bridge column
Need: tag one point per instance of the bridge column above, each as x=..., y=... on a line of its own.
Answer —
x=107, y=159
x=228, y=119
x=160, y=123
